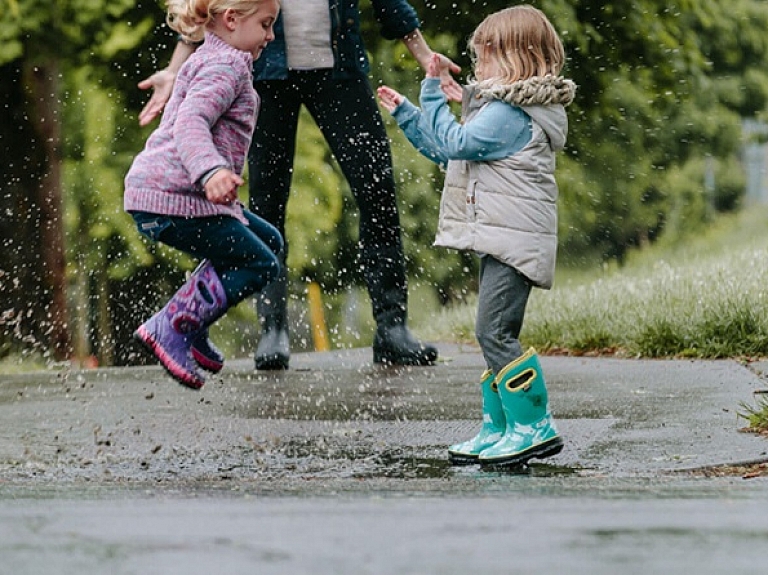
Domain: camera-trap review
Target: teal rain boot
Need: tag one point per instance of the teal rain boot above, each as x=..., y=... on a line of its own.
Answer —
x=493, y=427
x=530, y=431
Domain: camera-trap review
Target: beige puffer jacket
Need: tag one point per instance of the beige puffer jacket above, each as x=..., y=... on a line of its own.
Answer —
x=508, y=208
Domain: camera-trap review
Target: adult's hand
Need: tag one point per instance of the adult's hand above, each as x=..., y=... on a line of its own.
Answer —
x=448, y=83
x=161, y=83
x=423, y=54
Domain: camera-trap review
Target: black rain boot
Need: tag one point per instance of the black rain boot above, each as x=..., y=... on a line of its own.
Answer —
x=273, y=351
x=393, y=343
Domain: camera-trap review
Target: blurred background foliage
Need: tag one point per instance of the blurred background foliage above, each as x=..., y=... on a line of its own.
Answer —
x=655, y=152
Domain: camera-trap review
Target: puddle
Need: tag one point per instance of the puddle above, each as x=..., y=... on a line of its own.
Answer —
x=393, y=466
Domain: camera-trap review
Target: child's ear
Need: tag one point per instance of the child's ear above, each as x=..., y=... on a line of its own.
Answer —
x=229, y=17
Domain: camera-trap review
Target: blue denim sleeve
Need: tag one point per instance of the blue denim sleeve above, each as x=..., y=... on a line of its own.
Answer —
x=497, y=131
x=411, y=121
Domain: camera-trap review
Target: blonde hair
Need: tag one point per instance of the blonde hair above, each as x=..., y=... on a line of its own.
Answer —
x=190, y=17
x=522, y=43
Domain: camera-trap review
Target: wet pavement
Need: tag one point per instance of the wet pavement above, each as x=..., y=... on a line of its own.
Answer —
x=339, y=466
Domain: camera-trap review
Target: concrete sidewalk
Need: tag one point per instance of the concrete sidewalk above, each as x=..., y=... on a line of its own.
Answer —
x=335, y=418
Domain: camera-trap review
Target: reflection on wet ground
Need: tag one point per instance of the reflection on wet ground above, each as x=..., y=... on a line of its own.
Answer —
x=424, y=468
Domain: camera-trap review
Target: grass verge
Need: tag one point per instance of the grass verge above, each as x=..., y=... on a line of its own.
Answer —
x=706, y=299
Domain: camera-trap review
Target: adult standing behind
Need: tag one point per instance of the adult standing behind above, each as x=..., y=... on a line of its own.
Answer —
x=318, y=59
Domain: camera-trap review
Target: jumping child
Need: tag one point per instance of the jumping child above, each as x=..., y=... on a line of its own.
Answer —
x=182, y=188
x=499, y=200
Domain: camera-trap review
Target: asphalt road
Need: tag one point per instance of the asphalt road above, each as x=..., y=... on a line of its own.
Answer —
x=338, y=466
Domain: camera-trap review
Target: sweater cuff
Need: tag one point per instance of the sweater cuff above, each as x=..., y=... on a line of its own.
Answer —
x=209, y=174
x=430, y=85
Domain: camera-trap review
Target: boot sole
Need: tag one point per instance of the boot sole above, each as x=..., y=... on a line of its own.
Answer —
x=460, y=459
x=272, y=363
x=540, y=451
x=393, y=358
x=206, y=362
x=159, y=354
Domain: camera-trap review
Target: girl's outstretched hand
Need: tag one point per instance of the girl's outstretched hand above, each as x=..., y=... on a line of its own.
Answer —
x=222, y=187
x=389, y=98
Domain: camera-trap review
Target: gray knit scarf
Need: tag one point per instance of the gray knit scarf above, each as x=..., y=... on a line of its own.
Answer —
x=536, y=91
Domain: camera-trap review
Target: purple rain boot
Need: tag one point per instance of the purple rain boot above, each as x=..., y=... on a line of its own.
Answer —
x=170, y=332
x=206, y=354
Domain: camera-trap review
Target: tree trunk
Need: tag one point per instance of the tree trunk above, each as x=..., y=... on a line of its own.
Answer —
x=43, y=82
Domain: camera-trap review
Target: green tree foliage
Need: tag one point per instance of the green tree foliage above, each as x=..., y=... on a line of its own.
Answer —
x=653, y=150
x=60, y=151
x=659, y=85
x=105, y=254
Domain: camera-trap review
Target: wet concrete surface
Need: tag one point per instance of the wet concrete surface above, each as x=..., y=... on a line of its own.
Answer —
x=280, y=536
x=339, y=466
x=336, y=416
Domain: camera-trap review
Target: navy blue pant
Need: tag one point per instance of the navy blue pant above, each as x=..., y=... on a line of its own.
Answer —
x=246, y=258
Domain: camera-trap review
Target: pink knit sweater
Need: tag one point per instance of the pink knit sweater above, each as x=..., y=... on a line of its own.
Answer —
x=208, y=123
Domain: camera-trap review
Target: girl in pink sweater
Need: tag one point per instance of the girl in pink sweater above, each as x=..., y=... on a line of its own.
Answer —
x=182, y=188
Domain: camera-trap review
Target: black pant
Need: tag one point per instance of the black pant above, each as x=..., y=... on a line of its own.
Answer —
x=347, y=115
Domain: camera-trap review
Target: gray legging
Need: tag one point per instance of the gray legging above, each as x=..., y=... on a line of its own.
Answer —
x=501, y=303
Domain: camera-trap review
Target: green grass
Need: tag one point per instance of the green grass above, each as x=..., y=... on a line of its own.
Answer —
x=22, y=363
x=756, y=415
x=705, y=299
